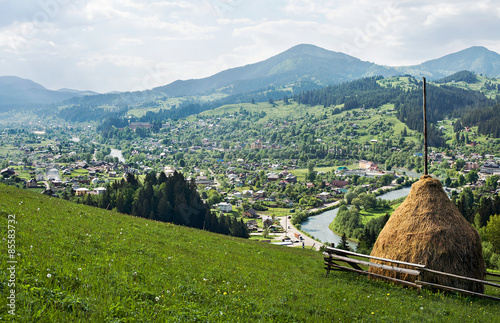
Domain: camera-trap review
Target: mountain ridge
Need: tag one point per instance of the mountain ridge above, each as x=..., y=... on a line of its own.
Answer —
x=300, y=64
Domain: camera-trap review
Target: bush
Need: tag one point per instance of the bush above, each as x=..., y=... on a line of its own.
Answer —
x=495, y=261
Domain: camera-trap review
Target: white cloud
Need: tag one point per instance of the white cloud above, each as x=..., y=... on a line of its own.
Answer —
x=109, y=45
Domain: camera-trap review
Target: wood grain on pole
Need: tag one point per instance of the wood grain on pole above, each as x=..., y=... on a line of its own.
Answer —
x=425, y=131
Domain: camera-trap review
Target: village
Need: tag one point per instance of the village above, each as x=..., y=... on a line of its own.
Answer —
x=265, y=194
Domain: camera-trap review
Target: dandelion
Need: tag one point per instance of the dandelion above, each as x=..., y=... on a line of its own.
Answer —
x=373, y=313
x=224, y=293
x=49, y=275
x=388, y=294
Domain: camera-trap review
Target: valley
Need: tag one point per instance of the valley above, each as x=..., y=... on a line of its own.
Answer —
x=215, y=166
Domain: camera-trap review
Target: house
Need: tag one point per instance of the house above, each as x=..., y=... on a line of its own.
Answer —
x=324, y=196
x=32, y=183
x=288, y=202
x=250, y=213
x=290, y=178
x=82, y=164
x=339, y=184
x=252, y=225
x=259, y=194
x=7, y=172
x=256, y=145
x=364, y=164
x=247, y=193
x=203, y=180
x=224, y=207
x=100, y=190
x=272, y=178
x=82, y=191
x=267, y=221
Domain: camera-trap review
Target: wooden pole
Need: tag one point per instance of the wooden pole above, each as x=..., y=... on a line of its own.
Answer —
x=425, y=131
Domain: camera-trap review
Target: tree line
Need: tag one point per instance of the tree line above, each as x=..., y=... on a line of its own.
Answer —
x=166, y=199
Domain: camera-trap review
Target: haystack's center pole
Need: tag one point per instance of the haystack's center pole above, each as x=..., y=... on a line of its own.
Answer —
x=425, y=132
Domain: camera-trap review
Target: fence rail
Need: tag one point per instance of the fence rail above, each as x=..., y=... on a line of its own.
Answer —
x=339, y=255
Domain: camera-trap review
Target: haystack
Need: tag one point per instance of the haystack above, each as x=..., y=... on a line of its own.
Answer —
x=428, y=229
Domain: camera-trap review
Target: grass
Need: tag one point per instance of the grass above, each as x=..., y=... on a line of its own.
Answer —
x=77, y=263
x=301, y=173
x=376, y=213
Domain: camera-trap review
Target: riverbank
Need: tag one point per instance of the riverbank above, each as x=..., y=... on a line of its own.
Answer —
x=317, y=226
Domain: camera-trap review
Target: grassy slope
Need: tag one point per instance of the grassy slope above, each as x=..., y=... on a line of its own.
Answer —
x=106, y=266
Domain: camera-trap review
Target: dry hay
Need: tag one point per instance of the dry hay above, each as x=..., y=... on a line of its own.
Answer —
x=428, y=229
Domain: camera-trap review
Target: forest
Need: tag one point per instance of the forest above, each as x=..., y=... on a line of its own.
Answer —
x=166, y=199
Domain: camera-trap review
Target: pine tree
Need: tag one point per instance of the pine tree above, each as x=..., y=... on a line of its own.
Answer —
x=343, y=243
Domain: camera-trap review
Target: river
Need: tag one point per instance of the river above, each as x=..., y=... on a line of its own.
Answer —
x=317, y=225
x=117, y=153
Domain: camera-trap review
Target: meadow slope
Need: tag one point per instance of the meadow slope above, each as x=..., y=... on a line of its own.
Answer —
x=78, y=263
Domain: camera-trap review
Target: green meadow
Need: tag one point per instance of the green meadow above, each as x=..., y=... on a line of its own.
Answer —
x=77, y=263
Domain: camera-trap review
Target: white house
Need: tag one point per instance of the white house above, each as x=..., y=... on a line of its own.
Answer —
x=224, y=207
x=100, y=190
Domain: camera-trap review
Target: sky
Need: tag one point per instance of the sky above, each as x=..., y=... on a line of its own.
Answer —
x=133, y=45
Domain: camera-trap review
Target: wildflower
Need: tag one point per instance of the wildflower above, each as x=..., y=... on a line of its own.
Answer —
x=224, y=293
x=49, y=275
x=79, y=269
x=157, y=298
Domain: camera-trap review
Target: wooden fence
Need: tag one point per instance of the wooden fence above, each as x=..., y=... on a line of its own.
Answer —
x=339, y=255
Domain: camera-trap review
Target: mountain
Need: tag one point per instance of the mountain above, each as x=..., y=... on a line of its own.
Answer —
x=16, y=91
x=300, y=64
x=302, y=67
x=309, y=65
x=77, y=92
x=477, y=59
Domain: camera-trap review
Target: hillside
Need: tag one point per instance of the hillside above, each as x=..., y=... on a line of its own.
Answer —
x=15, y=91
x=78, y=263
x=477, y=59
x=301, y=63
x=299, y=68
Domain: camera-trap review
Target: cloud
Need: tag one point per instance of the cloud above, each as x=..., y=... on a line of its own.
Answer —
x=109, y=45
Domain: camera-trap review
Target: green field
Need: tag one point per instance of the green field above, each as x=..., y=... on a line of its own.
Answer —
x=376, y=213
x=76, y=263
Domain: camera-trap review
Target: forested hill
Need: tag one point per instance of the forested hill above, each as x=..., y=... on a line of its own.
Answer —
x=408, y=100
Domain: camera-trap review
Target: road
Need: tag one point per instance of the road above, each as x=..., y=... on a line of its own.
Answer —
x=308, y=242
